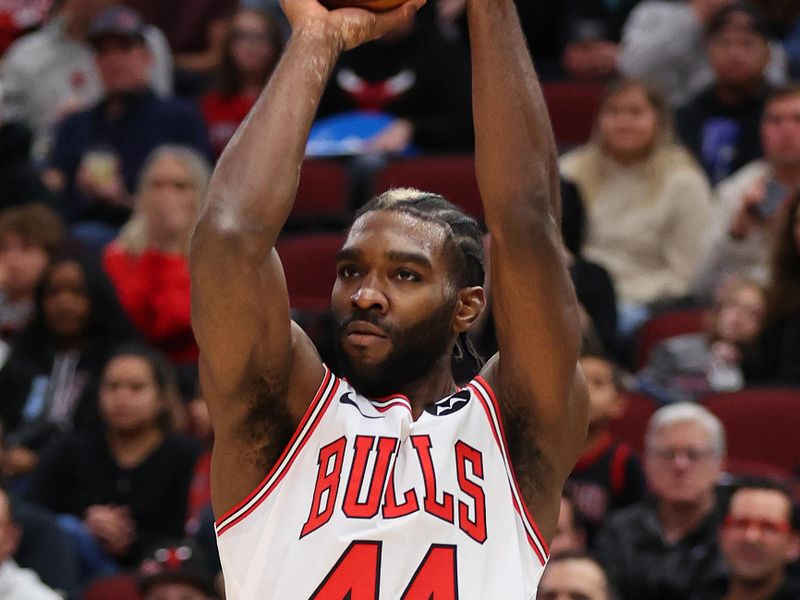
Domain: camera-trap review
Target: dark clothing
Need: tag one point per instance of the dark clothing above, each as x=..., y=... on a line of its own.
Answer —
x=19, y=180
x=595, y=291
x=790, y=590
x=148, y=122
x=606, y=478
x=79, y=471
x=775, y=358
x=422, y=78
x=45, y=549
x=722, y=137
x=641, y=565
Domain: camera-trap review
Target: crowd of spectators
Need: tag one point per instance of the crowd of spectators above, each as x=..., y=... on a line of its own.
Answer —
x=686, y=196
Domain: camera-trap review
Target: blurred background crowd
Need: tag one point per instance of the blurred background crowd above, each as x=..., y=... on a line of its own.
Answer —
x=678, y=125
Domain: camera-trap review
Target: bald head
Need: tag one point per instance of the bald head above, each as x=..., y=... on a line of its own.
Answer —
x=574, y=578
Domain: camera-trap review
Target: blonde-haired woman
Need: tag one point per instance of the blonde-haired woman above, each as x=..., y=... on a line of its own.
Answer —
x=647, y=200
x=148, y=261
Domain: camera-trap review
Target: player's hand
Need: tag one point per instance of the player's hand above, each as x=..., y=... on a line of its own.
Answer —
x=347, y=27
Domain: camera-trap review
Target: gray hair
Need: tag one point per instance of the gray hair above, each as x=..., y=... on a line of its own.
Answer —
x=132, y=236
x=687, y=412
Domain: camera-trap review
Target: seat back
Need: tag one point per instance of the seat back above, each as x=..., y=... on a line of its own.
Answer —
x=322, y=195
x=573, y=108
x=309, y=263
x=633, y=424
x=116, y=587
x=450, y=176
x=666, y=325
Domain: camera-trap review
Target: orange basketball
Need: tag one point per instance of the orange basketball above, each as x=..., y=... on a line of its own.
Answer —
x=373, y=5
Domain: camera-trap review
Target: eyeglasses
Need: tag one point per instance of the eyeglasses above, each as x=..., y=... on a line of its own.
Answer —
x=764, y=526
x=693, y=455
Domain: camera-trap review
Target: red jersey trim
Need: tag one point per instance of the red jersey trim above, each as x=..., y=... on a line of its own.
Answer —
x=314, y=413
x=592, y=455
x=485, y=394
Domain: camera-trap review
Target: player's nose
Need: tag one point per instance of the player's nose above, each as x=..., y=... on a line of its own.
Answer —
x=369, y=296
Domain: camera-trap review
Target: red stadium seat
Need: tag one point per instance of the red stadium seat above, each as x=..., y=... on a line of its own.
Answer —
x=632, y=426
x=322, y=195
x=573, y=108
x=116, y=587
x=666, y=325
x=451, y=176
x=761, y=425
x=309, y=262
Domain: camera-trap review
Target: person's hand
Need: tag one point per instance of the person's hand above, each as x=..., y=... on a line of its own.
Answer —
x=346, y=27
x=393, y=139
x=112, y=526
x=99, y=179
x=746, y=218
x=19, y=460
x=726, y=352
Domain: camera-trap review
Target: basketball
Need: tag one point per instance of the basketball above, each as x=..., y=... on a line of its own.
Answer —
x=373, y=5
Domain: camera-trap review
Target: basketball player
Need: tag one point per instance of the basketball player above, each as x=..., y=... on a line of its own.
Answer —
x=391, y=483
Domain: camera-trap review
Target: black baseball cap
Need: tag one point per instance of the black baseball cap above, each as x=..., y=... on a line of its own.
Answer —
x=738, y=15
x=117, y=21
x=178, y=561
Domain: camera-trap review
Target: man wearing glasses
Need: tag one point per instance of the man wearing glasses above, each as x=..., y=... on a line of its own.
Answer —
x=665, y=547
x=758, y=540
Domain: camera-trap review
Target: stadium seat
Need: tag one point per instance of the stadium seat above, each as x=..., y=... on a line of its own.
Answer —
x=451, y=176
x=309, y=262
x=761, y=425
x=116, y=587
x=322, y=195
x=666, y=325
x=632, y=426
x=573, y=108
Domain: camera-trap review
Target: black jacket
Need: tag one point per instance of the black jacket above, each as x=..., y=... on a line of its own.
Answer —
x=641, y=565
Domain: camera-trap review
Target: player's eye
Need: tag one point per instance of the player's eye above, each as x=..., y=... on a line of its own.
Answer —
x=347, y=271
x=407, y=275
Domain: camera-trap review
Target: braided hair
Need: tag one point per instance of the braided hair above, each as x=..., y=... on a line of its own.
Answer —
x=464, y=242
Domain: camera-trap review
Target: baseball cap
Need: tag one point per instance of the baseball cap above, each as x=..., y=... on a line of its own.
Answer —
x=738, y=15
x=177, y=561
x=118, y=21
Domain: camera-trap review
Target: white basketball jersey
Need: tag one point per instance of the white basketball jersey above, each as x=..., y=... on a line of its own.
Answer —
x=367, y=504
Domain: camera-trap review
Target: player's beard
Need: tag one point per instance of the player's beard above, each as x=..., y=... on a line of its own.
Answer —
x=415, y=352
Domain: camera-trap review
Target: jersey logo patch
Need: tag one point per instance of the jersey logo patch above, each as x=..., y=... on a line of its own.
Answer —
x=449, y=405
x=346, y=399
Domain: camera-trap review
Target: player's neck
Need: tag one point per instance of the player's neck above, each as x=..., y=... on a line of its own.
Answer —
x=431, y=388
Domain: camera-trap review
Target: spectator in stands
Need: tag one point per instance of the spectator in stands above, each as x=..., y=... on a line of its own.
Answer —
x=196, y=32
x=51, y=72
x=720, y=125
x=16, y=583
x=415, y=76
x=50, y=379
x=754, y=200
x=574, y=577
x=661, y=549
x=646, y=199
x=758, y=540
x=685, y=367
x=664, y=42
x=593, y=284
x=124, y=489
x=176, y=571
x=29, y=236
x=775, y=357
x=251, y=50
x=592, y=31
x=98, y=153
x=20, y=180
x=608, y=475
x=570, y=534
x=147, y=262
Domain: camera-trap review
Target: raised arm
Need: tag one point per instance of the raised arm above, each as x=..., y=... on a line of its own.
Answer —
x=536, y=313
x=259, y=371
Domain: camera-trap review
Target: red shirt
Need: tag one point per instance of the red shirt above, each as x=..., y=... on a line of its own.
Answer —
x=223, y=114
x=153, y=288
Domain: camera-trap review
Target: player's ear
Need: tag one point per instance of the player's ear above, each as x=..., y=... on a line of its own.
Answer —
x=469, y=306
